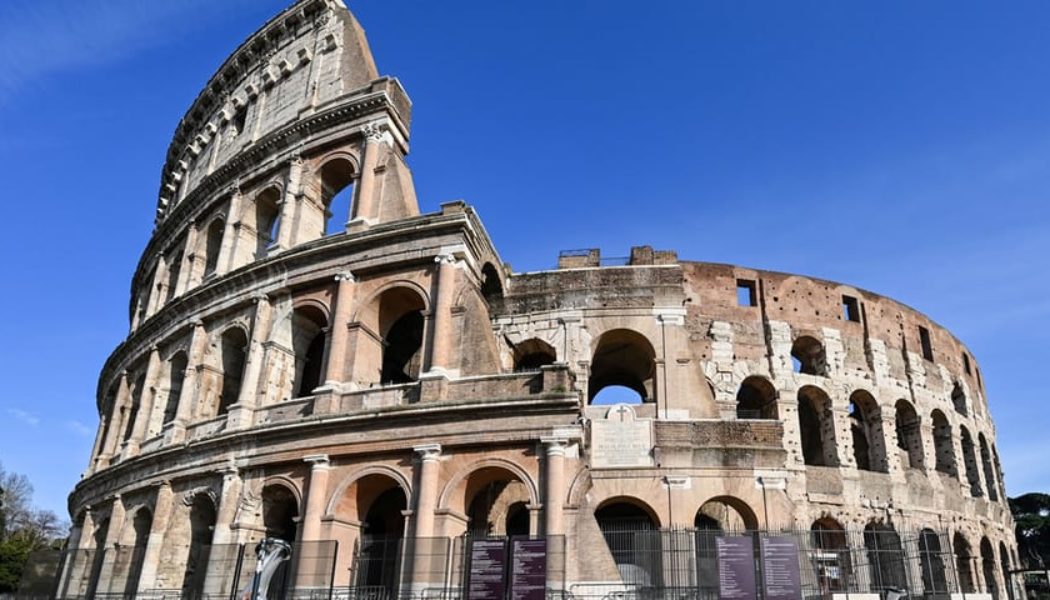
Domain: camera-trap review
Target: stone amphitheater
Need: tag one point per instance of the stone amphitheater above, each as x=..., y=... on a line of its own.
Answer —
x=312, y=358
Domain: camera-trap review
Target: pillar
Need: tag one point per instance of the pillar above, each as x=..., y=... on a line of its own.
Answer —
x=113, y=533
x=316, y=491
x=188, y=395
x=100, y=439
x=344, y=301
x=289, y=204
x=442, y=339
x=229, y=234
x=162, y=505
x=145, y=412
x=365, y=207
x=218, y=578
x=241, y=414
x=554, y=486
x=116, y=423
x=186, y=272
x=426, y=495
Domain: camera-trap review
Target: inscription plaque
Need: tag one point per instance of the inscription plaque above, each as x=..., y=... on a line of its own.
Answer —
x=621, y=440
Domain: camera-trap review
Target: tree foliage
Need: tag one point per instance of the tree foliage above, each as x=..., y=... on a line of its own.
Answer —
x=1032, y=516
x=23, y=528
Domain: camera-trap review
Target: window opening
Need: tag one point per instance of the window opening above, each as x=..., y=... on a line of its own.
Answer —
x=850, y=309
x=927, y=346
x=745, y=293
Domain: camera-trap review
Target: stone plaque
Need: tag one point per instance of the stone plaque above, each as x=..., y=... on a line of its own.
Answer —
x=621, y=440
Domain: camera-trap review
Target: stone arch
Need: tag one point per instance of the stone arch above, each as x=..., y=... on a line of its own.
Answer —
x=266, y=218
x=832, y=560
x=1004, y=567
x=944, y=448
x=728, y=513
x=136, y=535
x=909, y=435
x=885, y=556
x=756, y=399
x=491, y=283
x=486, y=490
x=973, y=476
x=280, y=510
x=869, y=447
x=233, y=355
x=931, y=560
x=808, y=356
x=964, y=563
x=202, y=517
x=335, y=177
x=817, y=427
x=346, y=485
x=623, y=358
x=390, y=348
x=532, y=354
x=959, y=399
x=213, y=234
x=630, y=528
x=986, y=463
x=991, y=582
x=174, y=378
x=643, y=509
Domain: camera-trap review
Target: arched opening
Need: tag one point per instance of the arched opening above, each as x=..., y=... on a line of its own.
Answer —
x=234, y=346
x=816, y=427
x=212, y=245
x=309, y=327
x=177, y=365
x=989, y=473
x=382, y=532
x=495, y=499
x=942, y=443
x=532, y=354
x=865, y=420
x=725, y=513
x=808, y=357
x=136, y=402
x=756, y=399
x=991, y=582
x=959, y=399
x=632, y=534
x=145, y=293
x=202, y=523
x=623, y=358
x=267, y=221
x=401, y=327
x=140, y=526
x=1004, y=569
x=337, y=191
x=491, y=286
x=280, y=512
x=998, y=472
x=931, y=558
x=964, y=564
x=831, y=556
x=885, y=556
x=174, y=263
x=973, y=476
x=909, y=435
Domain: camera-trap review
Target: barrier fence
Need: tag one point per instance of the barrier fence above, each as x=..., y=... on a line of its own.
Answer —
x=635, y=564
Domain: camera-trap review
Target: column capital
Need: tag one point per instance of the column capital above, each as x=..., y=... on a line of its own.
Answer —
x=346, y=276
x=445, y=259
x=555, y=445
x=317, y=461
x=428, y=452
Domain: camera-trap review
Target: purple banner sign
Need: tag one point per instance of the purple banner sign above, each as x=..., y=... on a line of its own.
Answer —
x=528, y=570
x=488, y=565
x=736, y=568
x=781, y=574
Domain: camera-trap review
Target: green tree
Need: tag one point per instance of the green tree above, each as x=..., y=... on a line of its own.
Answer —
x=23, y=529
x=1032, y=515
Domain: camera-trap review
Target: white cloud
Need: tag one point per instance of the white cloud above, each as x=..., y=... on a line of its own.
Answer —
x=23, y=416
x=78, y=428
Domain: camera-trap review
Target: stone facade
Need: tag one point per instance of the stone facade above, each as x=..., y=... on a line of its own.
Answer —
x=300, y=373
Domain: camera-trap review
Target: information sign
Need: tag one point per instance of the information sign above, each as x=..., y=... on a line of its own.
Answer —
x=781, y=574
x=736, y=568
x=528, y=570
x=488, y=564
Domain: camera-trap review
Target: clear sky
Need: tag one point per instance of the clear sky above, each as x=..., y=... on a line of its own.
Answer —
x=902, y=147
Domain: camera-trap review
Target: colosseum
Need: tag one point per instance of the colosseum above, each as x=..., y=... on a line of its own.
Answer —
x=311, y=358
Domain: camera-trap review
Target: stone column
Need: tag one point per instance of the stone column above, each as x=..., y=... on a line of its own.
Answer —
x=229, y=235
x=188, y=395
x=156, y=289
x=100, y=439
x=316, y=491
x=286, y=231
x=554, y=490
x=242, y=413
x=217, y=577
x=146, y=396
x=365, y=207
x=344, y=302
x=186, y=272
x=113, y=533
x=161, y=515
x=426, y=495
x=442, y=338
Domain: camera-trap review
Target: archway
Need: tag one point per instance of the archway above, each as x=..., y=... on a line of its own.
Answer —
x=177, y=365
x=623, y=358
x=280, y=512
x=532, y=354
x=991, y=583
x=931, y=558
x=944, y=450
x=234, y=346
x=382, y=533
x=491, y=286
x=401, y=328
x=959, y=399
x=496, y=501
x=816, y=427
x=756, y=399
x=212, y=245
x=865, y=418
x=964, y=564
x=1004, y=569
x=727, y=514
x=970, y=461
x=140, y=528
x=202, y=521
x=831, y=556
x=885, y=557
x=631, y=532
x=337, y=190
x=989, y=473
x=267, y=220
x=909, y=435
x=99, y=539
x=808, y=356
x=309, y=337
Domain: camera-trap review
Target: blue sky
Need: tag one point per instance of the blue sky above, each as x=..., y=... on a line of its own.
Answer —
x=902, y=147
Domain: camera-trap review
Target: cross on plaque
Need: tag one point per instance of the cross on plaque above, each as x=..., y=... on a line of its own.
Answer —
x=622, y=412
